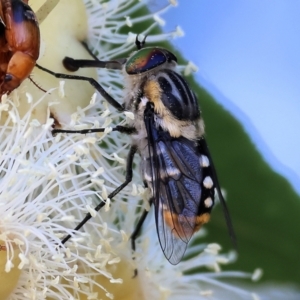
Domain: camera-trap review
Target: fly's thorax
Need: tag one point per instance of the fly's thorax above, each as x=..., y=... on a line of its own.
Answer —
x=134, y=85
x=192, y=130
x=140, y=138
x=175, y=105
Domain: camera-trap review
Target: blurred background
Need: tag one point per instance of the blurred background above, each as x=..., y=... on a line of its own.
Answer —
x=247, y=53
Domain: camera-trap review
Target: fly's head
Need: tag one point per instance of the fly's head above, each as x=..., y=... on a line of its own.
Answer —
x=149, y=59
x=141, y=69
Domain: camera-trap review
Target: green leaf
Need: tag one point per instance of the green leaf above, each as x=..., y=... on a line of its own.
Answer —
x=264, y=208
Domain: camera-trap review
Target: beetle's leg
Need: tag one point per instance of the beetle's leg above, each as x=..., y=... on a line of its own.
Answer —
x=92, y=81
x=122, y=129
x=128, y=178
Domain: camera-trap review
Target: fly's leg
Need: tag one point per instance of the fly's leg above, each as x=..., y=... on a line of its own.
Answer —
x=136, y=232
x=92, y=81
x=73, y=65
x=128, y=178
x=122, y=129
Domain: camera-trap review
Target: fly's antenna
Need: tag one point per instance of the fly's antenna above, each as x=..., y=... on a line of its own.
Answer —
x=140, y=44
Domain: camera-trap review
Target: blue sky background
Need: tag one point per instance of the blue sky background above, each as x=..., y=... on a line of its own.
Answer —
x=248, y=54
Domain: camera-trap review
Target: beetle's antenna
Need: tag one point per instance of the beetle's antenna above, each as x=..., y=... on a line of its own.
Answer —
x=30, y=78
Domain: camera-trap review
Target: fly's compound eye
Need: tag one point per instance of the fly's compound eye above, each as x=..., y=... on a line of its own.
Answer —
x=148, y=59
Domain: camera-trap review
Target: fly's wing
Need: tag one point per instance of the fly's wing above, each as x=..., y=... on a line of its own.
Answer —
x=179, y=194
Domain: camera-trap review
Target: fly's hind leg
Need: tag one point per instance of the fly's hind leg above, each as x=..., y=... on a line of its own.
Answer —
x=136, y=232
x=128, y=178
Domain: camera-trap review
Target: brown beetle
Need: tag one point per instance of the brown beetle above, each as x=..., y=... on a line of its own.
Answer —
x=19, y=43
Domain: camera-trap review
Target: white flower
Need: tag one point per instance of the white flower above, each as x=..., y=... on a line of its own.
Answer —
x=48, y=184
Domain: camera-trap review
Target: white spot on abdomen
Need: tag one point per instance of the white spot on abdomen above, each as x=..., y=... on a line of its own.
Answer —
x=207, y=182
x=204, y=161
x=208, y=202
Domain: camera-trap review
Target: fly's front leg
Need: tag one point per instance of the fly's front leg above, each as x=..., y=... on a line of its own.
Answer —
x=73, y=65
x=122, y=129
x=92, y=81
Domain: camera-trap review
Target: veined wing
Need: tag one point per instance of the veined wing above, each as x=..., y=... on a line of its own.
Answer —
x=182, y=186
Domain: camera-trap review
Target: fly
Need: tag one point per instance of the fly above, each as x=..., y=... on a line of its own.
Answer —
x=168, y=133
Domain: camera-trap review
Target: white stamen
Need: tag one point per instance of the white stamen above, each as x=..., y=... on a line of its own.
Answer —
x=134, y=190
x=19, y=242
x=159, y=20
x=206, y=293
x=24, y=261
x=67, y=219
x=173, y=2
x=29, y=98
x=119, y=280
x=257, y=274
x=129, y=115
x=35, y=123
x=179, y=32
x=91, y=211
x=255, y=296
x=8, y=266
x=93, y=99
x=115, y=260
x=119, y=159
x=131, y=38
x=12, y=116
x=55, y=280
x=104, y=192
x=98, y=173
x=190, y=68
x=128, y=21
x=107, y=205
x=105, y=113
x=61, y=89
